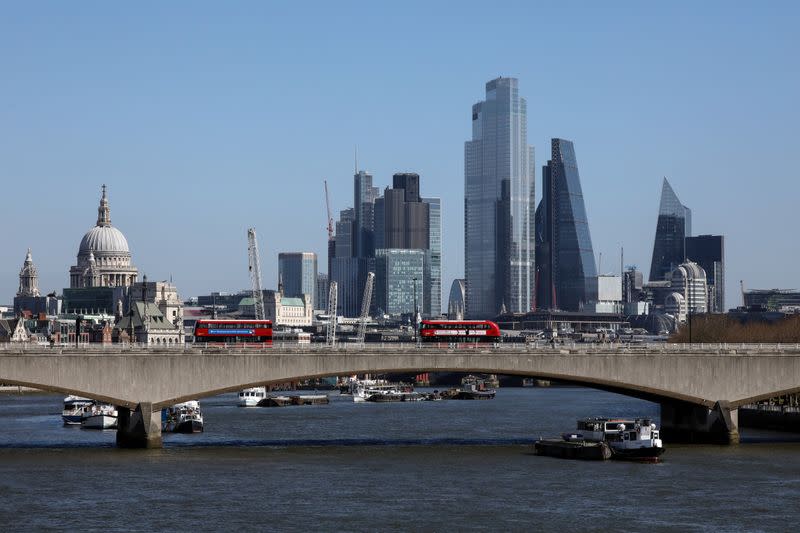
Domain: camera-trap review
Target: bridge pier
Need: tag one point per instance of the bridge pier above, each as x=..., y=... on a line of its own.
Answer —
x=140, y=428
x=694, y=424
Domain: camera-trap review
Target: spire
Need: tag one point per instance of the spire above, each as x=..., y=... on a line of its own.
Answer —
x=103, y=211
x=28, y=278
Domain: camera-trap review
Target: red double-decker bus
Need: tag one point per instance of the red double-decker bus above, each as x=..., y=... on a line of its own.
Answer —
x=251, y=332
x=459, y=331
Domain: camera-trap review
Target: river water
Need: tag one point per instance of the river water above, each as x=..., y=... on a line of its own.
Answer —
x=432, y=466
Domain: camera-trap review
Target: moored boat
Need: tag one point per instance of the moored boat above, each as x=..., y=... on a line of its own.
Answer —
x=183, y=417
x=635, y=439
x=252, y=396
x=99, y=416
x=73, y=409
x=591, y=451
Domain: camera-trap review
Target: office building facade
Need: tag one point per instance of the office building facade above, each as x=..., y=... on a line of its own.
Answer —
x=566, y=269
x=399, y=281
x=673, y=227
x=297, y=275
x=499, y=204
x=709, y=252
x=432, y=306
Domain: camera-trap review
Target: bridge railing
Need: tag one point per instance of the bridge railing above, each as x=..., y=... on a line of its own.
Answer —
x=282, y=347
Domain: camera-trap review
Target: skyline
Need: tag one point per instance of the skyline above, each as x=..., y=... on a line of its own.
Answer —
x=177, y=124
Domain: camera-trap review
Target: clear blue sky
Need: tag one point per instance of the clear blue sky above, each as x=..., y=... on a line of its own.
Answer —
x=205, y=118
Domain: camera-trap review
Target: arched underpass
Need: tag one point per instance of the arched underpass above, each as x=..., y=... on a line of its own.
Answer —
x=699, y=389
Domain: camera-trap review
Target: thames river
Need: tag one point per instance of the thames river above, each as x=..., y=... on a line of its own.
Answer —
x=432, y=466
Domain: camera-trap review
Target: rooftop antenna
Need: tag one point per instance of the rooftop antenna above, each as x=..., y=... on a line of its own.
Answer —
x=356, y=158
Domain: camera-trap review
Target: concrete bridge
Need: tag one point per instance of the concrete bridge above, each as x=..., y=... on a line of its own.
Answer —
x=699, y=387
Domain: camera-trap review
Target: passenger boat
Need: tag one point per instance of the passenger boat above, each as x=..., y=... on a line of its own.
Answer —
x=183, y=417
x=250, y=397
x=628, y=438
x=99, y=416
x=73, y=409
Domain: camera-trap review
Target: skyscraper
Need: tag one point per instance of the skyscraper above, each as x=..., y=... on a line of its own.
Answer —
x=499, y=204
x=673, y=226
x=564, y=257
x=708, y=251
x=433, y=264
x=297, y=272
x=345, y=267
x=364, y=195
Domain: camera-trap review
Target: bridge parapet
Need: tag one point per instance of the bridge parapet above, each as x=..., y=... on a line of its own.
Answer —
x=342, y=348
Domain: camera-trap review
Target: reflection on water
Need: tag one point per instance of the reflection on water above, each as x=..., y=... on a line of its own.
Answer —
x=422, y=465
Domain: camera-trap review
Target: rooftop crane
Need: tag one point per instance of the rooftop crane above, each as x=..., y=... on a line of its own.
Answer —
x=330, y=333
x=362, y=320
x=330, y=216
x=255, y=273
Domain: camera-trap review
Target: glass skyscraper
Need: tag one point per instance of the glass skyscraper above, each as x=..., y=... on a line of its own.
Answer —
x=432, y=305
x=398, y=272
x=673, y=226
x=565, y=265
x=499, y=204
x=708, y=251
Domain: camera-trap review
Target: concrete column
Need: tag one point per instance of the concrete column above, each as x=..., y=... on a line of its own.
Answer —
x=140, y=428
x=683, y=422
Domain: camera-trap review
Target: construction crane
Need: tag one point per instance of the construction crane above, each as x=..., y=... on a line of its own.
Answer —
x=330, y=216
x=362, y=320
x=330, y=333
x=255, y=273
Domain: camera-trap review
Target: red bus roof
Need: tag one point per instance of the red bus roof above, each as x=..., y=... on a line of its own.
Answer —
x=458, y=322
x=233, y=321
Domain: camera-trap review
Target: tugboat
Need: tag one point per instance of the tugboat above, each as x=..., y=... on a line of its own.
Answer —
x=472, y=388
x=629, y=438
x=183, y=418
x=606, y=438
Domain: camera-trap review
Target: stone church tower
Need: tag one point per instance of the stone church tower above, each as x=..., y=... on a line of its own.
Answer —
x=28, y=278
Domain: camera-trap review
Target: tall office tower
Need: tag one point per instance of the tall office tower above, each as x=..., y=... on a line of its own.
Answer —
x=708, y=251
x=345, y=267
x=402, y=217
x=297, y=271
x=433, y=265
x=499, y=204
x=321, y=298
x=364, y=195
x=673, y=226
x=564, y=256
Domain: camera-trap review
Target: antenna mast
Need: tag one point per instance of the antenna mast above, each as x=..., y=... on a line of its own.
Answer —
x=255, y=273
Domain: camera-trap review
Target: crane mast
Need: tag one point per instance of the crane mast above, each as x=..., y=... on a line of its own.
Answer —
x=330, y=216
x=255, y=273
x=362, y=320
x=330, y=333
